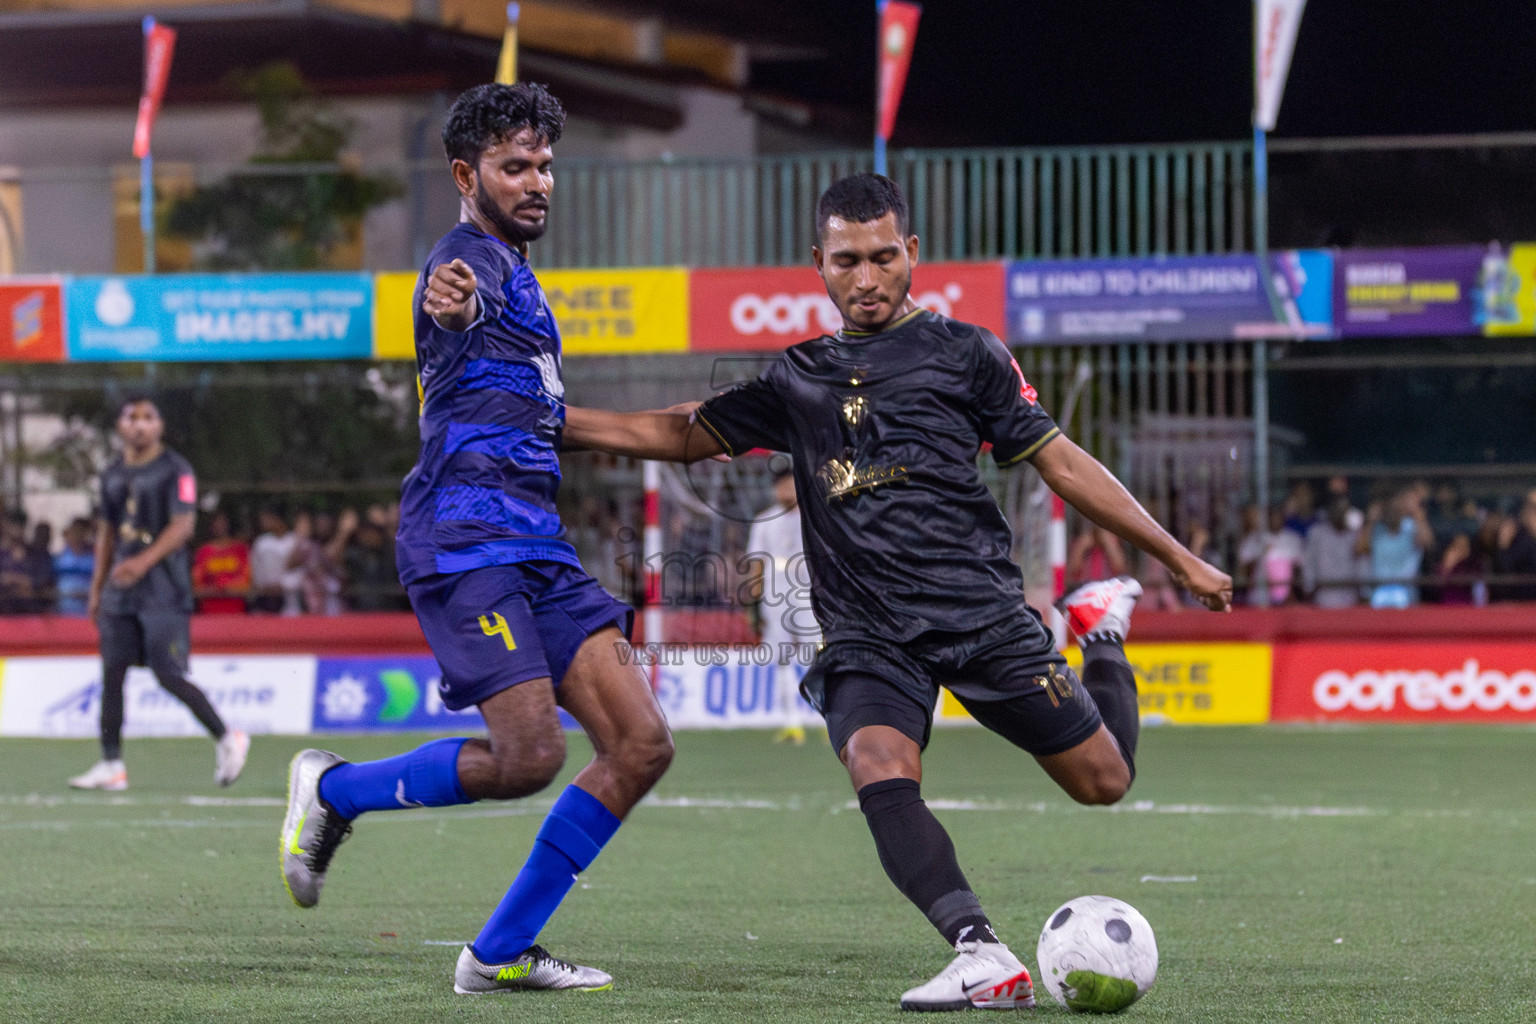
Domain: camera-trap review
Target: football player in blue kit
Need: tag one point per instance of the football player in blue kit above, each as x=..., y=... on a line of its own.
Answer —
x=516, y=625
x=912, y=580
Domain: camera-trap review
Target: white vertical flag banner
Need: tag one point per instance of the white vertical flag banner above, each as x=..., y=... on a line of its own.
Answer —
x=1273, y=43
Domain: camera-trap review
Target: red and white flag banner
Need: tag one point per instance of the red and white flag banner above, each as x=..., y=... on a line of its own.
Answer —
x=898, y=31
x=159, y=44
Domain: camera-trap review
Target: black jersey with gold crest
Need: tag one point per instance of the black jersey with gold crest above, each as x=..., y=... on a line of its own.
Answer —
x=901, y=535
x=137, y=503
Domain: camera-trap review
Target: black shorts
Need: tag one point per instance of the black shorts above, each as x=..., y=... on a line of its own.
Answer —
x=1009, y=676
x=160, y=640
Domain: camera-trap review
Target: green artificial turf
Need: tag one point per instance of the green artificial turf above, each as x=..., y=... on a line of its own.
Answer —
x=1384, y=874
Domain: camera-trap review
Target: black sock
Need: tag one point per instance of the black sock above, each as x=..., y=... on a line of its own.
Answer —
x=1111, y=682
x=918, y=856
x=112, y=677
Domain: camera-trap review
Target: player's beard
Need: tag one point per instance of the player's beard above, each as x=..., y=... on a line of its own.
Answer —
x=510, y=227
x=902, y=289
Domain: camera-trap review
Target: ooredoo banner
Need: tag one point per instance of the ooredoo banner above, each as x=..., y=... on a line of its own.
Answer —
x=1406, y=682
x=761, y=309
x=31, y=321
x=61, y=696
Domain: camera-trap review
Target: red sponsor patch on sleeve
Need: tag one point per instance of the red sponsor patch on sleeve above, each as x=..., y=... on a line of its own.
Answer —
x=186, y=489
x=1026, y=389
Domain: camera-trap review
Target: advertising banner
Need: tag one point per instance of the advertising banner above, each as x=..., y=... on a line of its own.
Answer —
x=619, y=312
x=1508, y=292
x=763, y=309
x=394, y=318
x=1186, y=684
x=1186, y=298
x=31, y=320
x=1475, y=681
x=1401, y=292
x=727, y=686
x=61, y=697
x=196, y=317
x=389, y=694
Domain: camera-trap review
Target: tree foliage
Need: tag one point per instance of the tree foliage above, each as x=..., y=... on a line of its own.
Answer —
x=283, y=220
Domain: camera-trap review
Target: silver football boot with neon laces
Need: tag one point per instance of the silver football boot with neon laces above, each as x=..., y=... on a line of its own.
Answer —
x=311, y=830
x=984, y=976
x=535, y=969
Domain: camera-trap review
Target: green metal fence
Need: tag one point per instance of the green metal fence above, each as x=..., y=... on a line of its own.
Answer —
x=969, y=204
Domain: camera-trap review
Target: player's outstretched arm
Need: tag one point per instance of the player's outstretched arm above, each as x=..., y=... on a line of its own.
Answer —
x=1084, y=483
x=669, y=435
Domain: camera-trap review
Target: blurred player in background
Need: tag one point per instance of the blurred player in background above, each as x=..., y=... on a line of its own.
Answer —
x=909, y=555
x=141, y=591
x=782, y=582
x=518, y=628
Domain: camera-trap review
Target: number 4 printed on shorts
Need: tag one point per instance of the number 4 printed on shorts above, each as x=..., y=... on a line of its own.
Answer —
x=495, y=625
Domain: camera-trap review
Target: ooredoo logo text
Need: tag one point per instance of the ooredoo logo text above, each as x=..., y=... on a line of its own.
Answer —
x=1466, y=688
x=794, y=314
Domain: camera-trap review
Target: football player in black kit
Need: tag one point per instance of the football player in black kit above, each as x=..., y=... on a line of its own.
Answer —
x=141, y=591
x=912, y=581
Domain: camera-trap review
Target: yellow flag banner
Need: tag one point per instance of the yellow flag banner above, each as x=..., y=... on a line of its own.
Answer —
x=506, y=64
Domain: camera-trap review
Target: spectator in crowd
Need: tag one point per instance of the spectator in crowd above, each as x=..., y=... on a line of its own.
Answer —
x=15, y=582
x=1517, y=551
x=1457, y=570
x=1331, y=571
x=1268, y=557
x=316, y=562
x=368, y=560
x=1338, y=487
x=1395, y=536
x=270, y=554
x=73, y=566
x=45, y=590
x=1096, y=554
x=221, y=570
x=1300, y=508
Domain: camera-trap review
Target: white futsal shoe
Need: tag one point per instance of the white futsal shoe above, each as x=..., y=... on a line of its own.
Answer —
x=312, y=830
x=985, y=976
x=111, y=776
x=535, y=969
x=229, y=756
x=1102, y=610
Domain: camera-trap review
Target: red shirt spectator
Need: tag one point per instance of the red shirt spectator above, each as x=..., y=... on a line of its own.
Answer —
x=221, y=571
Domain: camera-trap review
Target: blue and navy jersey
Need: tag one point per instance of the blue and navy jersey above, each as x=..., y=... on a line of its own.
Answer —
x=492, y=411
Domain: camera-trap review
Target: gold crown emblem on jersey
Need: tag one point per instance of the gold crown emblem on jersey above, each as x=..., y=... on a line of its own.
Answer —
x=842, y=479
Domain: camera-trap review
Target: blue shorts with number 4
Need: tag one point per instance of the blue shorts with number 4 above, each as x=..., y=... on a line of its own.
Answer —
x=495, y=627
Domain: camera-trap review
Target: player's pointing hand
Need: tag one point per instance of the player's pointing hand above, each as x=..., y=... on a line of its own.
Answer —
x=450, y=296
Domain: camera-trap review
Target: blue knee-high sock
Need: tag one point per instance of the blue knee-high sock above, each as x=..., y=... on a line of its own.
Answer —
x=425, y=777
x=571, y=837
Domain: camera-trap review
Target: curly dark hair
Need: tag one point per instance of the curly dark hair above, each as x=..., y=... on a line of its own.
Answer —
x=487, y=114
x=861, y=198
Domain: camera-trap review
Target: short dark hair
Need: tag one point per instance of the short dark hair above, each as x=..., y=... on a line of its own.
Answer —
x=487, y=114
x=862, y=198
x=136, y=398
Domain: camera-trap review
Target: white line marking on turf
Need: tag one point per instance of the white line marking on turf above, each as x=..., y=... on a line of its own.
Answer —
x=442, y=942
x=234, y=801
x=1170, y=878
x=713, y=803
